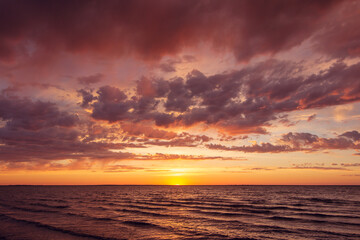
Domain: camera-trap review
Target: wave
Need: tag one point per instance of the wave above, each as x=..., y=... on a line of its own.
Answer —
x=225, y=214
x=63, y=213
x=325, y=200
x=240, y=208
x=58, y=229
x=267, y=212
x=28, y=209
x=232, y=207
x=322, y=215
x=327, y=233
x=49, y=200
x=136, y=206
x=145, y=207
x=158, y=204
x=312, y=221
x=143, y=212
x=49, y=206
x=141, y=224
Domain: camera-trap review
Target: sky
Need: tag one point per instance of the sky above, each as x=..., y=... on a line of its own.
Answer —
x=179, y=92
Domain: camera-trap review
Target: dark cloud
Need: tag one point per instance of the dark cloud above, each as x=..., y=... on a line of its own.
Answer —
x=293, y=142
x=239, y=102
x=267, y=89
x=178, y=99
x=340, y=36
x=299, y=139
x=33, y=134
x=54, y=143
x=151, y=29
x=87, y=97
x=39, y=131
x=354, y=135
x=112, y=104
x=248, y=100
x=33, y=115
x=88, y=80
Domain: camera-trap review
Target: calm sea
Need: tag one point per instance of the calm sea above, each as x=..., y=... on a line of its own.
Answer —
x=179, y=212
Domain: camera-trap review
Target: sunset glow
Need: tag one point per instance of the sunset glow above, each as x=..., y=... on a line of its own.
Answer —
x=179, y=92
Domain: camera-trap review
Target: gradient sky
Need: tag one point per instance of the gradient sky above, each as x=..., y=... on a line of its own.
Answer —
x=179, y=92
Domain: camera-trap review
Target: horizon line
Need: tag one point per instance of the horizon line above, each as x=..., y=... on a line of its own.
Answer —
x=5, y=185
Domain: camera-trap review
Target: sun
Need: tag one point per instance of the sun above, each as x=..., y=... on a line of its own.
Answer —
x=176, y=181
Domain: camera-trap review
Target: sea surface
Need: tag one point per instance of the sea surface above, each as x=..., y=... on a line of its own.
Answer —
x=179, y=212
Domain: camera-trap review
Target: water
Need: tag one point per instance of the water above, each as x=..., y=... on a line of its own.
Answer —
x=179, y=212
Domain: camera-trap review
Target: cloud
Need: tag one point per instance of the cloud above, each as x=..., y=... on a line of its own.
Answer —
x=316, y=168
x=162, y=156
x=160, y=28
x=262, y=148
x=68, y=165
x=136, y=129
x=121, y=168
x=182, y=140
x=87, y=97
x=108, y=165
x=37, y=134
x=350, y=164
x=340, y=36
x=112, y=104
x=240, y=102
x=311, y=117
x=293, y=142
x=299, y=139
x=39, y=131
x=33, y=115
x=259, y=169
x=55, y=143
x=170, y=65
x=148, y=135
x=88, y=80
x=299, y=166
x=146, y=87
x=354, y=135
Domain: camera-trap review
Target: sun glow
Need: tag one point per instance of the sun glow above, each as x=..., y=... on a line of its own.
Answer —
x=178, y=172
x=176, y=181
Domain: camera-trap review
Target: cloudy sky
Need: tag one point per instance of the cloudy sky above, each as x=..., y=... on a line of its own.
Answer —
x=179, y=92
